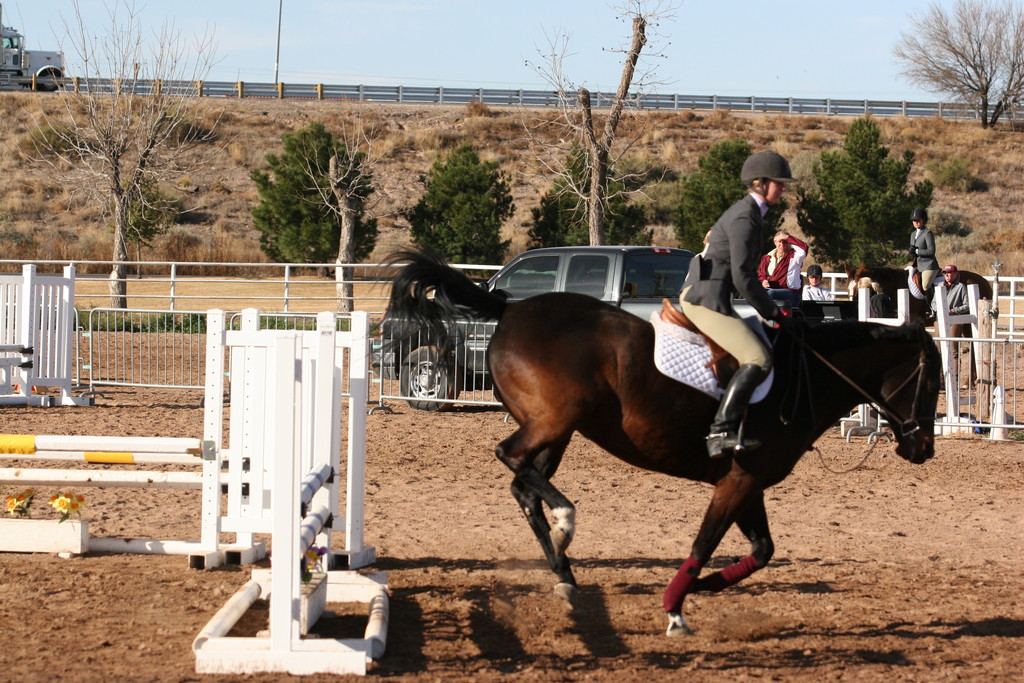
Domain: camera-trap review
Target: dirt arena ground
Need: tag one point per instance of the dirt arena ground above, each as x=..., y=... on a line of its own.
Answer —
x=888, y=572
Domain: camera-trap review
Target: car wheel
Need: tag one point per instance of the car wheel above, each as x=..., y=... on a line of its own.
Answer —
x=427, y=380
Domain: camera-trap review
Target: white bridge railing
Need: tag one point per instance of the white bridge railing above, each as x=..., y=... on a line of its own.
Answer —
x=404, y=94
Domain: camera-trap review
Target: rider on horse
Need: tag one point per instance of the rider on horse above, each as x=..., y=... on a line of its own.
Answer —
x=728, y=267
x=922, y=252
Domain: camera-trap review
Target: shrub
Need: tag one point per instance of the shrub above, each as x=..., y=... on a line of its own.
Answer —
x=478, y=108
x=47, y=140
x=953, y=173
x=948, y=223
x=858, y=211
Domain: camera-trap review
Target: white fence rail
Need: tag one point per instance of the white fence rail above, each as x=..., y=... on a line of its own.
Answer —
x=303, y=288
x=285, y=287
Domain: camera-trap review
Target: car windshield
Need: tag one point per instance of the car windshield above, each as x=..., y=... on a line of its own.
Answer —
x=530, y=276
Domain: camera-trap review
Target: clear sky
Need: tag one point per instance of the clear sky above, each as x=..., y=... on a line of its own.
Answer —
x=798, y=48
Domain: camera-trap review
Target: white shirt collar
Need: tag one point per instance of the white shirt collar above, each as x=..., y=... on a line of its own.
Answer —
x=761, y=203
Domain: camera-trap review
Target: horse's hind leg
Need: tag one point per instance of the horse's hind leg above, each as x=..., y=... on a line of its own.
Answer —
x=532, y=488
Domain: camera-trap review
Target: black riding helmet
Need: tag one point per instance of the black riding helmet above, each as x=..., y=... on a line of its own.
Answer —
x=766, y=164
x=814, y=271
x=919, y=215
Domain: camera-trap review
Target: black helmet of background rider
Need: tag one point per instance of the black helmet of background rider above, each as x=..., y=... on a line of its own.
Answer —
x=919, y=215
x=764, y=166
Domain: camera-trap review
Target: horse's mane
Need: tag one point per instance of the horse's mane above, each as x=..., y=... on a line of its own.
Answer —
x=844, y=334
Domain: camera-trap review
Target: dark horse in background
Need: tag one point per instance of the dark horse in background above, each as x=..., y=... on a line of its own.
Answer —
x=564, y=363
x=892, y=279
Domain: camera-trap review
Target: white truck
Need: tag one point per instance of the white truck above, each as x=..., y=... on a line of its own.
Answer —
x=18, y=65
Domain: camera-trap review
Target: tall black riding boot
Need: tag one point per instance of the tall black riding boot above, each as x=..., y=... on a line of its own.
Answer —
x=724, y=434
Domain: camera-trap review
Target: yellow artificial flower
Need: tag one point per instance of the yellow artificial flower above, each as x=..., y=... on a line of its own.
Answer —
x=19, y=504
x=68, y=503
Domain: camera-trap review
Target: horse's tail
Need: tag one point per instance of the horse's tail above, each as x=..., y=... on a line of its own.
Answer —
x=412, y=309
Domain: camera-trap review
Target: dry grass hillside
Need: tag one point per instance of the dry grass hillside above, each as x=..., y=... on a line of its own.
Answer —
x=43, y=217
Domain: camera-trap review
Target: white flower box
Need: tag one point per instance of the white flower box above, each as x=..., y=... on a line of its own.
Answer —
x=313, y=602
x=43, y=536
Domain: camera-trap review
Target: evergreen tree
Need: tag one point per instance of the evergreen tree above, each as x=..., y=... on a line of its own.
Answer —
x=461, y=213
x=549, y=221
x=713, y=189
x=298, y=215
x=860, y=211
x=561, y=218
x=151, y=212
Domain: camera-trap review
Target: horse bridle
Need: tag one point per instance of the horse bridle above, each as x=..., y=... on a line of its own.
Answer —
x=906, y=427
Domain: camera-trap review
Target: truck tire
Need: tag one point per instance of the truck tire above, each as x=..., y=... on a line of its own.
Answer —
x=48, y=81
x=425, y=376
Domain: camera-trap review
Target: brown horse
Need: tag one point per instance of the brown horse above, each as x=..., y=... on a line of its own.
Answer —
x=893, y=279
x=565, y=363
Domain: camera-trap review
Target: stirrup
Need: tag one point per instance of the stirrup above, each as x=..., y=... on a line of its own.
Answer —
x=721, y=443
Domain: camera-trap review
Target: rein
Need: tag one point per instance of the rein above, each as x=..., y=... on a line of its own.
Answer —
x=908, y=426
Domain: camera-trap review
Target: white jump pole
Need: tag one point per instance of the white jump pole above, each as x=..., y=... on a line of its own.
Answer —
x=145, y=480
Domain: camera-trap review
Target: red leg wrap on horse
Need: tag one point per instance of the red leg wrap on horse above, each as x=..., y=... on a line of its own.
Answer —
x=734, y=573
x=681, y=585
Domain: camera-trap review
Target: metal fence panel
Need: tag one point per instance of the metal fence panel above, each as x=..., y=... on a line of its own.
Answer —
x=989, y=377
x=154, y=348
x=144, y=348
x=418, y=372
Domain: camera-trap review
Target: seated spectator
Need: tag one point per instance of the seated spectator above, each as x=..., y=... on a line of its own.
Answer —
x=881, y=304
x=779, y=270
x=814, y=291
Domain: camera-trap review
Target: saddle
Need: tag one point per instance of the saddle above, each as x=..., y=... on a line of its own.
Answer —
x=914, y=282
x=722, y=364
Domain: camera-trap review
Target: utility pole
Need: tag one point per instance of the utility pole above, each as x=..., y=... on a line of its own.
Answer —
x=277, y=55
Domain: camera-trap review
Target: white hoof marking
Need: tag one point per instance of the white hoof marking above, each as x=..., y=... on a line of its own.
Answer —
x=566, y=591
x=677, y=625
x=564, y=528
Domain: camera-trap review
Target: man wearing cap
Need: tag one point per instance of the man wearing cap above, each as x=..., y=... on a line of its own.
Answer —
x=956, y=293
x=728, y=268
x=814, y=291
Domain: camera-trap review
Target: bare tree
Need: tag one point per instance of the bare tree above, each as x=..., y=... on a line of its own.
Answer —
x=973, y=52
x=111, y=142
x=577, y=109
x=350, y=181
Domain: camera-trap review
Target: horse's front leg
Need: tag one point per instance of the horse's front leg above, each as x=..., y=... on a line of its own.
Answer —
x=753, y=522
x=734, y=495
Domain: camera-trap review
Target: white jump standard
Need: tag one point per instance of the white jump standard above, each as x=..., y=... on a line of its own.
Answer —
x=37, y=337
x=301, y=379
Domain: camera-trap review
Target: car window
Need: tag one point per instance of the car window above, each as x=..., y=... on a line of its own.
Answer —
x=657, y=275
x=530, y=276
x=588, y=274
